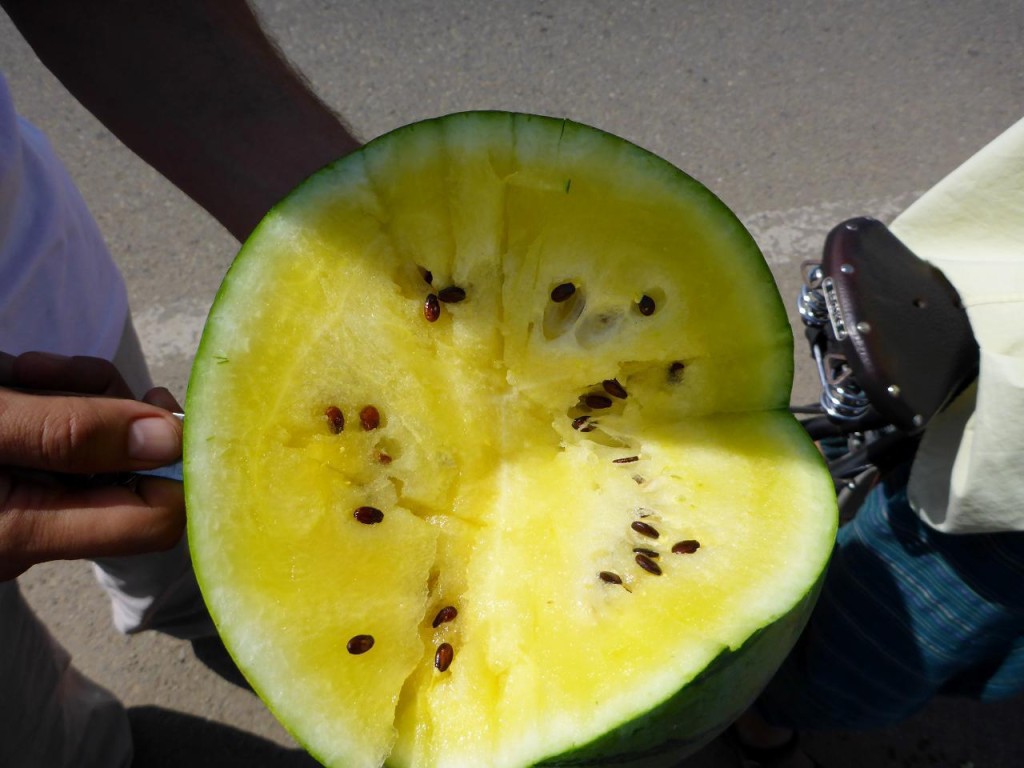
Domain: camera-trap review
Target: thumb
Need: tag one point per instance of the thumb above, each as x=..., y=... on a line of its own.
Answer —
x=85, y=434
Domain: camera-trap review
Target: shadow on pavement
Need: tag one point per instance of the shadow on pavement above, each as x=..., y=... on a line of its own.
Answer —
x=168, y=739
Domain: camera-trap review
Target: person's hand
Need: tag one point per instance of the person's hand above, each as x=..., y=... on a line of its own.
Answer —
x=44, y=516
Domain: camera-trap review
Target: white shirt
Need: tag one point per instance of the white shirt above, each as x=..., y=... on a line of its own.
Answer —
x=968, y=475
x=60, y=290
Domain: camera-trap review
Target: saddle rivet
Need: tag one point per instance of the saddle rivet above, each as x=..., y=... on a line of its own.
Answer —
x=893, y=390
x=847, y=269
x=864, y=326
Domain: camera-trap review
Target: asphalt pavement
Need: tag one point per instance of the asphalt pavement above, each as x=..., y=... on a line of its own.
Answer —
x=797, y=113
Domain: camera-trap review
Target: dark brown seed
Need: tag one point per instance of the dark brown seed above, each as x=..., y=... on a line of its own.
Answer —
x=443, y=657
x=654, y=555
x=626, y=460
x=589, y=427
x=646, y=305
x=383, y=458
x=675, y=372
x=644, y=529
x=369, y=417
x=452, y=294
x=368, y=515
x=562, y=292
x=580, y=422
x=613, y=388
x=597, y=401
x=648, y=564
x=428, y=276
x=335, y=419
x=431, y=308
x=360, y=644
x=687, y=547
x=610, y=578
x=446, y=614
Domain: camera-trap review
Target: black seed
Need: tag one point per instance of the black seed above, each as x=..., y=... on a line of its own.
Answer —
x=626, y=460
x=562, y=292
x=687, y=547
x=675, y=372
x=443, y=657
x=610, y=578
x=428, y=276
x=654, y=555
x=446, y=614
x=613, y=388
x=452, y=294
x=360, y=644
x=648, y=564
x=431, y=308
x=335, y=419
x=369, y=417
x=580, y=421
x=644, y=529
x=368, y=515
x=646, y=305
x=597, y=401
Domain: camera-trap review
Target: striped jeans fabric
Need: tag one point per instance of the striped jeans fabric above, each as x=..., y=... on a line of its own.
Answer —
x=906, y=613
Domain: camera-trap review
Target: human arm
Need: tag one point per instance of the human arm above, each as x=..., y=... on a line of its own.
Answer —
x=196, y=89
x=49, y=442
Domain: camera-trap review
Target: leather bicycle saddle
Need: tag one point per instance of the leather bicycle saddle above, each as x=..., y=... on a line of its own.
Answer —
x=892, y=341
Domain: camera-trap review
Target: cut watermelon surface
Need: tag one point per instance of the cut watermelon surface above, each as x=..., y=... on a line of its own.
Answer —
x=488, y=461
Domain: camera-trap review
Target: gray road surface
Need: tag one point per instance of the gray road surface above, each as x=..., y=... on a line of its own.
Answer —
x=797, y=113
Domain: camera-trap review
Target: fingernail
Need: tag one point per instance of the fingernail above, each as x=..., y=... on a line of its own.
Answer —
x=153, y=439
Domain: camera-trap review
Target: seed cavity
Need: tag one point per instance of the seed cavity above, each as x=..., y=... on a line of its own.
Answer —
x=562, y=292
x=639, y=479
x=446, y=614
x=443, y=657
x=428, y=276
x=384, y=458
x=360, y=644
x=651, y=553
x=368, y=515
x=610, y=578
x=335, y=419
x=613, y=388
x=432, y=308
x=452, y=294
x=597, y=402
x=369, y=417
x=645, y=529
x=686, y=547
x=648, y=564
x=563, y=311
x=626, y=460
x=675, y=372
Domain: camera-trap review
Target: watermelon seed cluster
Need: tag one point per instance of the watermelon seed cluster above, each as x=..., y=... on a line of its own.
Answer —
x=452, y=294
x=645, y=557
x=445, y=653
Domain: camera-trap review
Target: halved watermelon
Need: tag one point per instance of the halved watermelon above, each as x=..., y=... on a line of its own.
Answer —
x=488, y=461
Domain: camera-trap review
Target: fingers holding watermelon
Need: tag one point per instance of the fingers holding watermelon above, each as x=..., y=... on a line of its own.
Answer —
x=51, y=446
